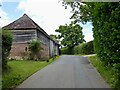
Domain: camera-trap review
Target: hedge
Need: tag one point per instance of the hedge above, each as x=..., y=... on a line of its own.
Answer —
x=68, y=51
x=106, y=23
x=6, y=46
x=84, y=48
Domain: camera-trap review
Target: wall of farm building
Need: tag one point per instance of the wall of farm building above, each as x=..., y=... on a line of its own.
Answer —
x=45, y=44
x=20, y=50
x=57, y=49
x=19, y=47
x=22, y=36
x=54, y=49
x=44, y=40
x=51, y=49
x=45, y=52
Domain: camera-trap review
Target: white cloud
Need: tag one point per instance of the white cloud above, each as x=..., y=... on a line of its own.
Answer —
x=49, y=14
x=4, y=19
x=10, y=0
x=88, y=37
x=87, y=31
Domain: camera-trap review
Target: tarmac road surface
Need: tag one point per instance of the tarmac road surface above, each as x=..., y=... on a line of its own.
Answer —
x=69, y=71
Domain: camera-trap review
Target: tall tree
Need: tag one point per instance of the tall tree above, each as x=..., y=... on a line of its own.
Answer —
x=55, y=38
x=71, y=35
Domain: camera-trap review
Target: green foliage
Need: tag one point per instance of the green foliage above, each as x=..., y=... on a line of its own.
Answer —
x=84, y=48
x=107, y=31
x=68, y=51
x=105, y=18
x=6, y=46
x=54, y=37
x=71, y=35
x=79, y=49
x=117, y=76
x=106, y=27
x=109, y=73
x=63, y=50
x=35, y=48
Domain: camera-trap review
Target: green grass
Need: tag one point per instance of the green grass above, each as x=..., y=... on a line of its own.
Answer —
x=105, y=71
x=21, y=70
x=0, y=81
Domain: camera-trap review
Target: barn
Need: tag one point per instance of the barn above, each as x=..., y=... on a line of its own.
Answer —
x=24, y=30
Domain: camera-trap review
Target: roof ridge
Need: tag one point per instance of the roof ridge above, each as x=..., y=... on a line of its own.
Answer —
x=37, y=26
x=27, y=23
x=25, y=15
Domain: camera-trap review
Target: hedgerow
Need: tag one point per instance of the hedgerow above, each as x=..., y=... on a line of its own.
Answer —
x=84, y=48
x=6, y=46
x=107, y=32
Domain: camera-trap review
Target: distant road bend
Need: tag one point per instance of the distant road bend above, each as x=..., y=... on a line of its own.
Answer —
x=69, y=71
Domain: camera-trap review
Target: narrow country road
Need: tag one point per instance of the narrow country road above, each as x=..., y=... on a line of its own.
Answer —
x=69, y=71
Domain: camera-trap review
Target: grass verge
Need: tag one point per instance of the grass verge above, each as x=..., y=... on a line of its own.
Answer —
x=106, y=72
x=21, y=70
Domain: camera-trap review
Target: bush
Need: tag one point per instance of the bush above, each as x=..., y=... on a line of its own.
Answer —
x=64, y=50
x=6, y=46
x=107, y=32
x=117, y=76
x=68, y=51
x=35, y=48
x=84, y=48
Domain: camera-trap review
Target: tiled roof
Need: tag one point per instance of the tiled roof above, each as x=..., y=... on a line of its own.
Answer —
x=26, y=23
x=23, y=22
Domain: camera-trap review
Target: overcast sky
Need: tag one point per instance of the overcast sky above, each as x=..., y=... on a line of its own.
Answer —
x=48, y=14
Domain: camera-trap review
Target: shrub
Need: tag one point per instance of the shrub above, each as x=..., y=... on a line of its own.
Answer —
x=6, y=46
x=117, y=76
x=88, y=48
x=84, y=48
x=35, y=48
x=68, y=51
x=106, y=30
x=63, y=50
